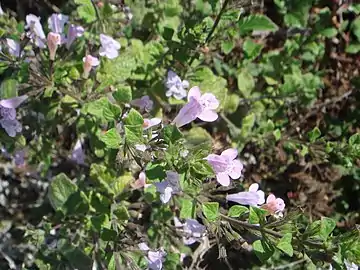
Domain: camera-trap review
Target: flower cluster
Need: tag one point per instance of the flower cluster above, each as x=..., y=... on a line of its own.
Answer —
x=8, y=115
x=155, y=259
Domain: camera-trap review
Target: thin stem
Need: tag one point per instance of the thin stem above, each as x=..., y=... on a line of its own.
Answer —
x=98, y=15
x=290, y=265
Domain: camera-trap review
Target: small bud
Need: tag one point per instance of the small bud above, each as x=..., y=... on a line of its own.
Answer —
x=89, y=62
x=53, y=41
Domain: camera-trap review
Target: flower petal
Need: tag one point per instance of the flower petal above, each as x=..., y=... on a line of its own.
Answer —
x=223, y=179
x=13, y=102
x=230, y=153
x=166, y=196
x=218, y=163
x=270, y=198
x=188, y=113
x=208, y=115
x=209, y=101
x=195, y=93
x=236, y=169
x=254, y=187
x=244, y=198
x=261, y=197
x=280, y=205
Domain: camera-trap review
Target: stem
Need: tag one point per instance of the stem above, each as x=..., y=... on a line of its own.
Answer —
x=98, y=15
x=217, y=20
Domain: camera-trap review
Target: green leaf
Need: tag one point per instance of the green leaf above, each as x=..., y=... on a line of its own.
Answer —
x=227, y=46
x=111, y=138
x=231, y=103
x=171, y=134
x=60, y=189
x=198, y=136
x=285, y=244
x=211, y=210
x=122, y=94
x=355, y=28
x=86, y=10
x=100, y=221
x=121, y=213
x=237, y=211
x=134, y=118
x=257, y=215
x=121, y=182
x=246, y=83
x=187, y=208
x=314, y=134
x=8, y=89
x=202, y=167
x=354, y=139
x=247, y=124
x=262, y=250
x=134, y=134
x=252, y=49
x=168, y=33
x=256, y=23
x=327, y=225
x=353, y=48
x=102, y=109
x=277, y=134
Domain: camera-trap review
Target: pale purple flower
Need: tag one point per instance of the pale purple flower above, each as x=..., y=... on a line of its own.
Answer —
x=226, y=166
x=192, y=229
x=53, y=41
x=77, y=154
x=253, y=197
x=175, y=86
x=275, y=206
x=89, y=63
x=198, y=106
x=155, y=259
x=74, y=32
x=1, y=11
x=19, y=158
x=148, y=123
x=350, y=265
x=144, y=103
x=109, y=47
x=169, y=186
x=57, y=22
x=13, y=47
x=36, y=32
x=11, y=126
x=13, y=103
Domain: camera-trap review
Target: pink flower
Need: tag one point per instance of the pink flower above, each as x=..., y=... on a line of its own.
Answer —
x=140, y=182
x=198, y=106
x=226, y=166
x=275, y=206
x=144, y=103
x=74, y=32
x=89, y=62
x=53, y=41
x=148, y=123
x=253, y=197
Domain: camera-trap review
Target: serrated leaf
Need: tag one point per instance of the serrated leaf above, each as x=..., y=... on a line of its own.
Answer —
x=134, y=118
x=257, y=215
x=285, y=244
x=327, y=225
x=256, y=22
x=211, y=210
x=171, y=134
x=252, y=49
x=122, y=94
x=237, y=211
x=227, y=46
x=111, y=138
x=262, y=250
x=86, y=10
x=246, y=83
x=187, y=209
x=61, y=188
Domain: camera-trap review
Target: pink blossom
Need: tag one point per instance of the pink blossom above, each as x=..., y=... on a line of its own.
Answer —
x=74, y=32
x=53, y=41
x=148, y=123
x=226, y=166
x=198, y=106
x=144, y=103
x=275, y=206
x=253, y=197
x=140, y=182
x=89, y=63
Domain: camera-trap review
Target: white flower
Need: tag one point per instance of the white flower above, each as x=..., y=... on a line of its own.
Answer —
x=109, y=47
x=175, y=86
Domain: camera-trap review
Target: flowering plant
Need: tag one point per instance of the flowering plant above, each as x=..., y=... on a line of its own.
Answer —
x=172, y=136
